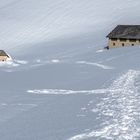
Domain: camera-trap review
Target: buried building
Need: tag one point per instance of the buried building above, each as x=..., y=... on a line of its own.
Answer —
x=3, y=56
x=124, y=35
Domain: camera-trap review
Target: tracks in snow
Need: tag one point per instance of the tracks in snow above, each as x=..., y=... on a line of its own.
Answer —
x=122, y=108
x=95, y=64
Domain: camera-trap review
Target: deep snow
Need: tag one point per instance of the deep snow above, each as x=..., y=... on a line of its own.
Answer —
x=61, y=84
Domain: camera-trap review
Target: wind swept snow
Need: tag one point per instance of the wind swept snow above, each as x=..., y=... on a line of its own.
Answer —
x=12, y=63
x=21, y=61
x=121, y=108
x=10, y=110
x=25, y=23
x=59, y=83
x=66, y=92
x=95, y=64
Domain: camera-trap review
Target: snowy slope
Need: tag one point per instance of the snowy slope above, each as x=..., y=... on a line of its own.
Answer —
x=61, y=85
x=29, y=22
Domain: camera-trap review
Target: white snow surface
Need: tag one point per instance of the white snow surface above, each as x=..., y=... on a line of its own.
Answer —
x=60, y=84
x=28, y=22
x=95, y=64
x=122, y=105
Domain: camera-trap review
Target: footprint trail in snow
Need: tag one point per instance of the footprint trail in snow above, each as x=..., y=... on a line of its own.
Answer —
x=119, y=107
x=122, y=108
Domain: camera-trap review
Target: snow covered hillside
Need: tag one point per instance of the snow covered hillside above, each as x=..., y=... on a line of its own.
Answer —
x=61, y=84
x=28, y=23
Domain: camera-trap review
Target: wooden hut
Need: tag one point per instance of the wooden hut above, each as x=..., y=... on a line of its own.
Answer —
x=124, y=35
x=3, y=55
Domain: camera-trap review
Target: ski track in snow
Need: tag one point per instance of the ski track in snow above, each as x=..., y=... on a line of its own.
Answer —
x=95, y=64
x=24, y=64
x=122, y=108
x=120, y=105
x=11, y=65
x=40, y=62
x=67, y=92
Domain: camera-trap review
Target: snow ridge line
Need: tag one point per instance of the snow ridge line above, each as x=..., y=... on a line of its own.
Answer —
x=95, y=64
x=121, y=107
x=68, y=92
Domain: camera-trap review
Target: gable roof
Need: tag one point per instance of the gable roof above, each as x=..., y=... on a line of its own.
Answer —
x=125, y=31
x=3, y=53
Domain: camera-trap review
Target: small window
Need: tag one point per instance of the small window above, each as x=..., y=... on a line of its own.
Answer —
x=132, y=44
x=114, y=39
x=114, y=44
x=132, y=40
x=122, y=39
x=122, y=44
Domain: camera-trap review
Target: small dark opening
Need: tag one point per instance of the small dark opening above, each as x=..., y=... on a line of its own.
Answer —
x=132, y=40
x=132, y=44
x=113, y=44
x=122, y=44
x=122, y=39
x=114, y=39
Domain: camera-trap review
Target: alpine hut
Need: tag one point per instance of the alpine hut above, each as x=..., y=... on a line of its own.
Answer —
x=124, y=35
x=3, y=55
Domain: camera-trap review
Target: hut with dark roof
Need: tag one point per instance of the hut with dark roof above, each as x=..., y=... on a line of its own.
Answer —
x=3, y=55
x=124, y=35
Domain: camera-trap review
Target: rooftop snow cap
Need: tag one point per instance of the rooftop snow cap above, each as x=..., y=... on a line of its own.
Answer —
x=3, y=53
x=125, y=32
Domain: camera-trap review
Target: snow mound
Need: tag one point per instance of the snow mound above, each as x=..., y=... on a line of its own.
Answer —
x=99, y=51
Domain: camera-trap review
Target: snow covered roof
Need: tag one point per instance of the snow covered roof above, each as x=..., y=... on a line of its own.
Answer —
x=3, y=53
x=126, y=32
